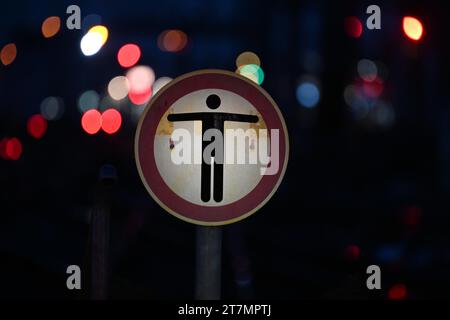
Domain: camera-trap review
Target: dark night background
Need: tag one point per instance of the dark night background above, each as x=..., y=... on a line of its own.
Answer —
x=359, y=189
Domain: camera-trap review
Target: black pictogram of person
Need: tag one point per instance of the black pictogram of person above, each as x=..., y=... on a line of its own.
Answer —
x=212, y=120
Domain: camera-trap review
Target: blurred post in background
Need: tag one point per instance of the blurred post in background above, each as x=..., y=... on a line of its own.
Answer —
x=100, y=219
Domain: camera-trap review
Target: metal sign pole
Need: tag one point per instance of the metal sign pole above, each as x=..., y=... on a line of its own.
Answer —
x=208, y=263
x=236, y=194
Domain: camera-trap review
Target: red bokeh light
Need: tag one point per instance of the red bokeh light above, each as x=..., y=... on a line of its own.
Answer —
x=373, y=88
x=352, y=252
x=412, y=216
x=353, y=27
x=91, y=121
x=3, y=143
x=128, y=55
x=140, y=98
x=13, y=149
x=397, y=292
x=111, y=121
x=37, y=126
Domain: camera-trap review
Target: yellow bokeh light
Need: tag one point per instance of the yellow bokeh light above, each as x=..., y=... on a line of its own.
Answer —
x=247, y=57
x=101, y=30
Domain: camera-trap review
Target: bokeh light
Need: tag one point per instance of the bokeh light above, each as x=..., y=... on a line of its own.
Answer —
x=36, y=126
x=93, y=40
x=252, y=72
x=412, y=216
x=111, y=121
x=51, y=26
x=8, y=54
x=352, y=252
x=118, y=87
x=412, y=27
x=383, y=114
x=13, y=149
x=88, y=100
x=3, y=153
x=247, y=57
x=140, y=98
x=91, y=43
x=390, y=253
x=159, y=83
x=140, y=79
x=52, y=108
x=308, y=94
x=364, y=96
x=128, y=55
x=373, y=89
x=353, y=27
x=367, y=69
x=101, y=30
x=354, y=97
x=172, y=40
x=249, y=73
x=91, y=121
x=382, y=70
x=89, y=21
x=397, y=292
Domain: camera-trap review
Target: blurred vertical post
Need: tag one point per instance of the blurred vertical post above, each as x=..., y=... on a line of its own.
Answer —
x=100, y=246
x=208, y=263
x=100, y=217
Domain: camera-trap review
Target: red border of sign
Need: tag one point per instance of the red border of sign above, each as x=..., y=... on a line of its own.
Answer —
x=169, y=200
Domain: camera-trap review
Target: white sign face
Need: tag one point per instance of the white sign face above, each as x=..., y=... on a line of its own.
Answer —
x=211, y=147
x=185, y=179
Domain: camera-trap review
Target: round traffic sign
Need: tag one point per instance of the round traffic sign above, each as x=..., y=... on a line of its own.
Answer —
x=211, y=147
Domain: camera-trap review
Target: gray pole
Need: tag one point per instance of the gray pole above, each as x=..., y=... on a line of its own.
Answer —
x=208, y=263
x=100, y=219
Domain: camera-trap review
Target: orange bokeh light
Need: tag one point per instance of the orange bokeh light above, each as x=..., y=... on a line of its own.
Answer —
x=8, y=53
x=172, y=40
x=51, y=26
x=413, y=28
